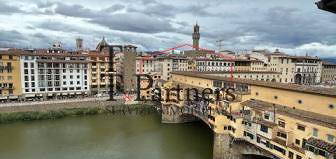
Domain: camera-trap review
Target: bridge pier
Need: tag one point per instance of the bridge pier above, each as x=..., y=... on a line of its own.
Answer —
x=222, y=148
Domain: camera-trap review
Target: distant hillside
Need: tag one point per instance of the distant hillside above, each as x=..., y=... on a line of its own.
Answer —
x=330, y=59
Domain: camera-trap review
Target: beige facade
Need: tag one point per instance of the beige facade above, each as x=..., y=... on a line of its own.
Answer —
x=294, y=69
x=290, y=121
x=328, y=73
x=10, y=76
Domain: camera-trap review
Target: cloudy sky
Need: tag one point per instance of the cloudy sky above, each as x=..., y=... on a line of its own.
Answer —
x=294, y=26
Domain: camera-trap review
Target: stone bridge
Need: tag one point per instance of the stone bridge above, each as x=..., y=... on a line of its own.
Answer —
x=225, y=146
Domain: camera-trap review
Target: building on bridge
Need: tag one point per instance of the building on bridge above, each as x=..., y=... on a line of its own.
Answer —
x=287, y=121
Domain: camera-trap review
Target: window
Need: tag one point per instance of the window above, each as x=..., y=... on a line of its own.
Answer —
x=263, y=128
x=275, y=97
x=331, y=138
x=282, y=135
x=267, y=116
x=301, y=127
x=315, y=132
x=297, y=141
x=300, y=101
x=279, y=149
x=282, y=124
x=290, y=155
x=25, y=65
x=298, y=157
x=331, y=106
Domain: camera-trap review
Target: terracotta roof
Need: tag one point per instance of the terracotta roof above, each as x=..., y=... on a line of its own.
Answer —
x=320, y=119
x=223, y=72
x=331, y=148
x=277, y=85
x=207, y=59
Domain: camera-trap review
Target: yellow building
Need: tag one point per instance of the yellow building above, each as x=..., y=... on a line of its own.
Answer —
x=328, y=73
x=10, y=81
x=288, y=121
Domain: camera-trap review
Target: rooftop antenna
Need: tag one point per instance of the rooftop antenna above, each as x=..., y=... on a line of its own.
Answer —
x=220, y=44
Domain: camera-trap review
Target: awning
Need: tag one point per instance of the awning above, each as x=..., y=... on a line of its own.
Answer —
x=85, y=92
x=72, y=93
x=29, y=95
x=50, y=94
x=78, y=92
x=3, y=98
x=58, y=94
x=64, y=94
x=13, y=97
x=40, y=95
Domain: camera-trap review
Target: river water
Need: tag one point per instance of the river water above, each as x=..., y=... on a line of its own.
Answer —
x=105, y=137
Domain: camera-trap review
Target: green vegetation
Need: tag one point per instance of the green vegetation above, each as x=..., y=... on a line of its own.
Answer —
x=61, y=113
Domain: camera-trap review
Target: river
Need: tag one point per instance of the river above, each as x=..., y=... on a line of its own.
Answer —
x=105, y=137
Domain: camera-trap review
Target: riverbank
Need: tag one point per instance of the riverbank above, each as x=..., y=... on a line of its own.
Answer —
x=61, y=110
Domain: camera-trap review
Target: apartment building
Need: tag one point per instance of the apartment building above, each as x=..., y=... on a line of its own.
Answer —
x=295, y=69
x=145, y=64
x=286, y=120
x=10, y=79
x=214, y=65
x=328, y=75
x=99, y=67
x=167, y=64
x=54, y=73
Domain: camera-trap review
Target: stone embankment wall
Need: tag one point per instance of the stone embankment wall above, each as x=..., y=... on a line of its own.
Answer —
x=49, y=106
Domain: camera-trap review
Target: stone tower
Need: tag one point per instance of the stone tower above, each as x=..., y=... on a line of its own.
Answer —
x=79, y=44
x=196, y=37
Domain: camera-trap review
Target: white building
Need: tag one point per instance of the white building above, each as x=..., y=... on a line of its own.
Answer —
x=54, y=73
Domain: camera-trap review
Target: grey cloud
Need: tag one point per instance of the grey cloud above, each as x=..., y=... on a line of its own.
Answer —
x=12, y=38
x=115, y=7
x=75, y=11
x=58, y=26
x=287, y=27
x=7, y=9
x=134, y=22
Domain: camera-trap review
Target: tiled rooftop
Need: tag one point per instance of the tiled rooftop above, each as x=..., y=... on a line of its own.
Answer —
x=331, y=148
x=320, y=119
